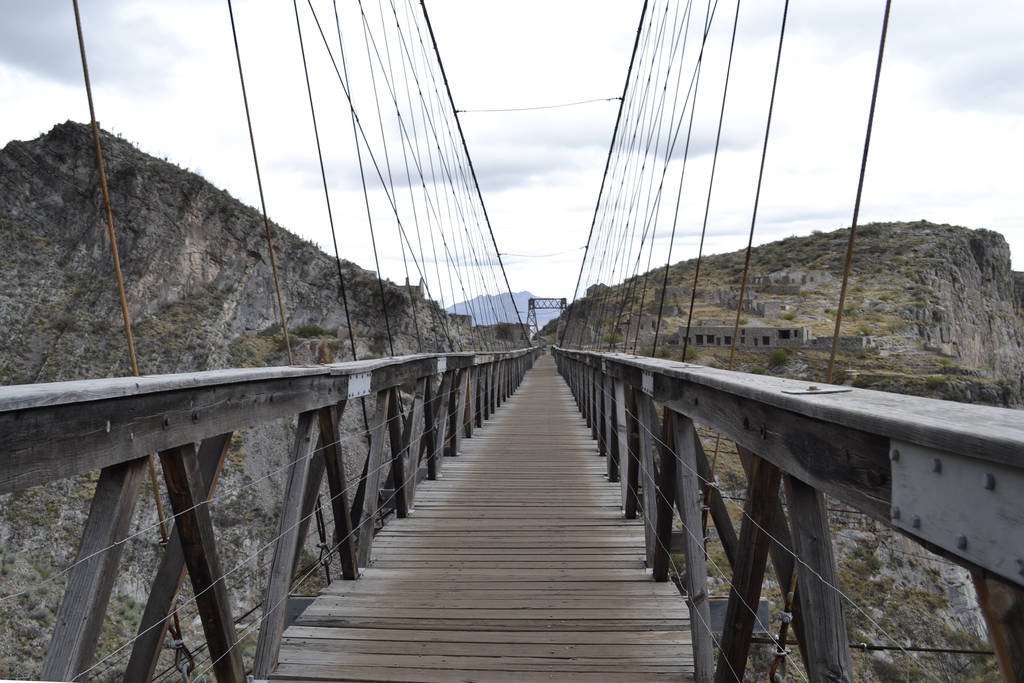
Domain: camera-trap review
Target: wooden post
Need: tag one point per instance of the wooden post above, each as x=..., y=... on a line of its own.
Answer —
x=719, y=513
x=413, y=438
x=80, y=617
x=192, y=517
x=334, y=463
x=440, y=431
x=824, y=625
x=479, y=387
x=781, y=552
x=469, y=397
x=282, y=566
x=632, y=453
x=374, y=460
x=602, y=416
x=169, y=576
x=458, y=409
x=396, y=430
x=611, y=430
x=625, y=462
x=688, y=500
x=648, y=429
x=751, y=557
x=1003, y=607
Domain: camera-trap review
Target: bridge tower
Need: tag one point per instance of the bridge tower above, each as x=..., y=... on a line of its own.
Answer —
x=542, y=304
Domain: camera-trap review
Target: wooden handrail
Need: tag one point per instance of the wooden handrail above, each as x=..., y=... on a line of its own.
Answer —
x=948, y=475
x=58, y=430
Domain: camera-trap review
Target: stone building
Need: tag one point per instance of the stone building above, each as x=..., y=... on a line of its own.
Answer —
x=750, y=336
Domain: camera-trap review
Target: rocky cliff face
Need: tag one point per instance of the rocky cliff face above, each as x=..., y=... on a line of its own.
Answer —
x=195, y=261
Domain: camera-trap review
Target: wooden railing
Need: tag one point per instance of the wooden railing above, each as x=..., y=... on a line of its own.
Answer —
x=54, y=431
x=948, y=475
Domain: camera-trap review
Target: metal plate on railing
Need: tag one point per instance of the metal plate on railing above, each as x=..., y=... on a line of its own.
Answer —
x=359, y=385
x=967, y=506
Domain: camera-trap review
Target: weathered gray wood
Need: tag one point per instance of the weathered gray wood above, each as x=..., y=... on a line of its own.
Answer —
x=611, y=431
x=688, y=500
x=781, y=553
x=470, y=402
x=1003, y=607
x=625, y=461
x=62, y=429
x=396, y=429
x=430, y=404
x=344, y=532
x=307, y=510
x=649, y=430
x=170, y=575
x=84, y=605
x=412, y=437
x=440, y=432
x=186, y=490
x=824, y=625
x=745, y=591
x=719, y=513
x=374, y=459
x=282, y=566
x=458, y=409
x=632, y=459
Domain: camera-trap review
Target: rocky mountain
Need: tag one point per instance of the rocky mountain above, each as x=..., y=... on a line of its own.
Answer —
x=200, y=296
x=490, y=309
x=931, y=309
x=196, y=269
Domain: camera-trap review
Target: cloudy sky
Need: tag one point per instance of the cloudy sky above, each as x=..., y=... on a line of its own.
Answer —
x=947, y=145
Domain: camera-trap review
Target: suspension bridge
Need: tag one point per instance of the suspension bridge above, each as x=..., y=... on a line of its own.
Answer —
x=513, y=511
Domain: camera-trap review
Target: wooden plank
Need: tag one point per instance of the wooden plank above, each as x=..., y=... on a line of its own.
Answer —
x=282, y=566
x=343, y=538
x=84, y=605
x=748, y=574
x=374, y=459
x=622, y=438
x=170, y=575
x=824, y=624
x=719, y=513
x=688, y=500
x=186, y=489
x=521, y=546
x=470, y=402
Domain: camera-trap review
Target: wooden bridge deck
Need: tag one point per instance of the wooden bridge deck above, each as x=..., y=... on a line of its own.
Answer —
x=516, y=565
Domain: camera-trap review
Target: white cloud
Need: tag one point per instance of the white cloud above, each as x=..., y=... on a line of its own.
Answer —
x=945, y=147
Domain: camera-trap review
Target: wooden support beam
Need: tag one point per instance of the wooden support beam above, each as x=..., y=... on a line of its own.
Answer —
x=479, y=387
x=602, y=417
x=470, y=403
x=824, y=626
x=458, y=408
x=649, y=429
x=282, y=567
x=186, y=491
x=307, y=511
x=745, y=592
x=628, y=491
x=781, y=552
x=440, y=431
x=688, y=501
x=611, y=431
x=396, y=432
x=1003, y=607
x=632, y=459
x=84, y=605
x=412, y=438
x=374, y=460
x=170, y=575
x=719, y=513
x=343, y=538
